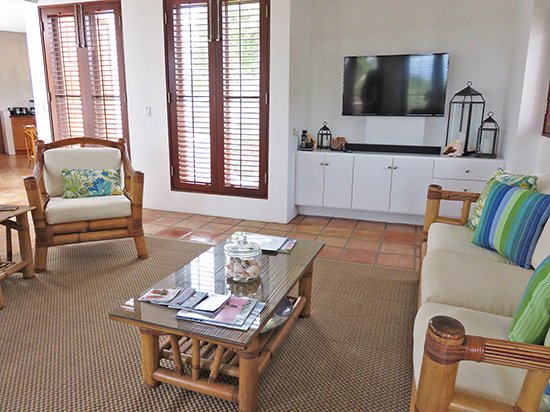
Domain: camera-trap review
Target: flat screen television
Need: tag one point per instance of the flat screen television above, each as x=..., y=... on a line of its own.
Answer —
x=395, y=85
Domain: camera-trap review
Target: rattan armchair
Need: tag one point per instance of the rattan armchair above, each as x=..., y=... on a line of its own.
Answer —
x=59, y=221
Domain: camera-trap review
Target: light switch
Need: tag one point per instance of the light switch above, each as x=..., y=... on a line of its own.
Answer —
x=147, y=111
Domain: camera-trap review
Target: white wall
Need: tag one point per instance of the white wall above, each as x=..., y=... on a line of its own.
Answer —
x=15, y=80
x=12, y=16
x=300, y=92
x=478, y=35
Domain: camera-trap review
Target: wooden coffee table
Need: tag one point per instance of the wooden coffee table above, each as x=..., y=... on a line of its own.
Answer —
x=214, y=350
x=17, y=220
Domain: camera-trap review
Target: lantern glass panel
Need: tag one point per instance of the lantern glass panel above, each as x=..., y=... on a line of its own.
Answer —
x=487, y=142
x=464, y=120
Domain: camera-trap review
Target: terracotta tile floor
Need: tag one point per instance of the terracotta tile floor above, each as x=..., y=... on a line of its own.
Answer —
x=385, y=244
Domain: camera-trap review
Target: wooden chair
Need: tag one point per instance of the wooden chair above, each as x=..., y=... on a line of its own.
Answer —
x=30, y=138
x=447, y=345
x=59, y=221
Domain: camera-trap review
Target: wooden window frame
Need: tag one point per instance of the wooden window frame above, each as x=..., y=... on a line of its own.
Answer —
x=546, y=126
x=217, y=186
x=85, y=86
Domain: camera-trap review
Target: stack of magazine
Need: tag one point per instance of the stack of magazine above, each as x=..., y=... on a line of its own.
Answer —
x=211, y=308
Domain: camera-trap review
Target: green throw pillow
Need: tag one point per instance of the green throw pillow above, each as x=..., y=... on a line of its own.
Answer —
x=91, y=182
x=532, y=317
x=527, y=182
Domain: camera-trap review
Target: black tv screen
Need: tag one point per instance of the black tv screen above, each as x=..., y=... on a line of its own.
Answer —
x=396, y=85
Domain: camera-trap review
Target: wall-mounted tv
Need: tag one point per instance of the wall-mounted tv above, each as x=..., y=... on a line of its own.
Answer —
x=395, y=85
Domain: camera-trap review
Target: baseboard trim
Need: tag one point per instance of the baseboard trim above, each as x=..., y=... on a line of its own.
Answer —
x=361, y=214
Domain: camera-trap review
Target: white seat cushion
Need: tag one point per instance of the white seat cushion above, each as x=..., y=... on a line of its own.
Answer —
x=452, y=238
x=480, y=379
x=59, y=210
x=473, y=283
x=55, y=160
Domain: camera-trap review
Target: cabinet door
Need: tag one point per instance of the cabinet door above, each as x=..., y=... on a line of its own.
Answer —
x=410, y=180
x=309, y=178
x=372, y=182
x=338, y=180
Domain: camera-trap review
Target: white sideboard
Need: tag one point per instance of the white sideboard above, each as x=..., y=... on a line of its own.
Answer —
x=390, y=187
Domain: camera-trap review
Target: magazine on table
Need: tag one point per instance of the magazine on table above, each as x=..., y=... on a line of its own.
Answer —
x=160, y=296
x=237, y=313
x=187, y=298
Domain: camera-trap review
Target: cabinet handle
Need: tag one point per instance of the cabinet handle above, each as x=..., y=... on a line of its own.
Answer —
x=395, y=168
x=467, y=171
x=390, y=167
x=465, y=190
x=326, y=164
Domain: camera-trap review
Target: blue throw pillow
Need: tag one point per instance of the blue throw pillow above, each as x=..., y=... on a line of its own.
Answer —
x=512, y=221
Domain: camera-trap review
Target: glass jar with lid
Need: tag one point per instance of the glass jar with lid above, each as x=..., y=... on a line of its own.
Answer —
x=242, y=260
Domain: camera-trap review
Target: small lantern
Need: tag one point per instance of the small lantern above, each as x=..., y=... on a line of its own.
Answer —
x=487, y=138
x=324, y=137
x=466, y=111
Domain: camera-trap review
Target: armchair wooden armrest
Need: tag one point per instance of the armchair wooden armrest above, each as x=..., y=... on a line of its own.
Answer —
x=435, y=195
x=447, y=345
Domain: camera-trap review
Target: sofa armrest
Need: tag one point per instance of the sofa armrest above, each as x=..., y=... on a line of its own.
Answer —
x=435, y=195
x=447, y=345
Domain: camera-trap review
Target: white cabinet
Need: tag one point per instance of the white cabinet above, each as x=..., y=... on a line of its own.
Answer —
x=324, y=180
x=372, y=182
x=385, y=183
x=410, y=180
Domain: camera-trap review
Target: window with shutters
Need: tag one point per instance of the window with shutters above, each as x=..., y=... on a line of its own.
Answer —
x=546, y=128
x=218, y=72
x=83, y=49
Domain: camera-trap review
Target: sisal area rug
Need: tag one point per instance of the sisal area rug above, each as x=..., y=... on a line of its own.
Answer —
x=60, y=352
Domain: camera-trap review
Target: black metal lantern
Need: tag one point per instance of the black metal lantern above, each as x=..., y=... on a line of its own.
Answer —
x=466, y=111
x=487, y=138
x=324, y=137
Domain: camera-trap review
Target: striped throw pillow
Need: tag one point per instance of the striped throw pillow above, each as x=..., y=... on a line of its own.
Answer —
x=528, y=182
x=532, y=317
x=512, y=221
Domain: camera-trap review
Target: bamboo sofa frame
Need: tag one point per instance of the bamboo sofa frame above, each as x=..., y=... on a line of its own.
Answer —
x=88, y=230
x=447, y=344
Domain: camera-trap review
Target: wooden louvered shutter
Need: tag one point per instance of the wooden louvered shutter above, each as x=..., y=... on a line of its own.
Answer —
x=189, y=73
x=61, y=43
x=217, y=62
x=244, y=95
x=106, y=76
x=83, y=47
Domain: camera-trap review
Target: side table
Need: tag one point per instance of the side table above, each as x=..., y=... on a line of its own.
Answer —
x=21, y=224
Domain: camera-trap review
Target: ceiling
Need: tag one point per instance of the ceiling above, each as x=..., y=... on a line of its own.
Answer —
x=12, y=15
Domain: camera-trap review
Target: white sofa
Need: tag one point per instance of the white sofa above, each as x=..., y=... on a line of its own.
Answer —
x=479, y=288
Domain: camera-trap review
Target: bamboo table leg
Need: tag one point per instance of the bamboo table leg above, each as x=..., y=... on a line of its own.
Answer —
x=249, y=377
x=304, y=289
x=25, y=247
x=150, y=356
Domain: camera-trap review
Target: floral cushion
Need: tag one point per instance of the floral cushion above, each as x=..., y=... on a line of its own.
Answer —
x=526, y=182
x=91, y=182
